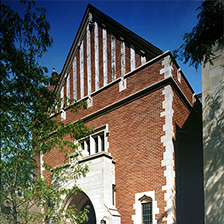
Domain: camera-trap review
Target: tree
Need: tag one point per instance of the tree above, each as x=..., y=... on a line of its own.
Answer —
x=209, y=31
x=26, y=128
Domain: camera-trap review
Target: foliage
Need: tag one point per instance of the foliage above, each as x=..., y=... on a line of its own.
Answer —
x=209, y=31
x=26, y=129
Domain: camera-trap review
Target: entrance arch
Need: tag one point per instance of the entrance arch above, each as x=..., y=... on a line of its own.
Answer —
x=81, y=200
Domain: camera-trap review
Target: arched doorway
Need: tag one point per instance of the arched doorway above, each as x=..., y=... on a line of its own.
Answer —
x=81, y=200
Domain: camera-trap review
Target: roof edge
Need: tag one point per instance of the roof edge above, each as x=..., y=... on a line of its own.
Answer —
x=81, y=31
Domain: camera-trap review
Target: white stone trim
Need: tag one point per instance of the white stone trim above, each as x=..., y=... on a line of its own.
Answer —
x=132, y=57
x=113, y=57
x=97, y=185
x=179, y=75
x=74, y=80
x=42, y=165
x=194, y=98
x=81, y=71
x=63, y=113
x=168, y=160
x=62, y=97
x=68, y=86
x=143, y=58
x=104, y=57
x=168, y=155
x=89, y=101
x=167, y=70
x=96, y=42
x=88, y=59
x=137, y=218
x=122, y=58
x=122, y=84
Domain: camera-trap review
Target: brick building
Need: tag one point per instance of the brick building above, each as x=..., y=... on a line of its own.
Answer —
x=145, y=154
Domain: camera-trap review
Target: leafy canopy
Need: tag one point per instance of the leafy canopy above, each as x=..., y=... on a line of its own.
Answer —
x=26, y=129
x=209, y=31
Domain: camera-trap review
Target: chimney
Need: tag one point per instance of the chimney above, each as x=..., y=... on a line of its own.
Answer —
x=54, y=77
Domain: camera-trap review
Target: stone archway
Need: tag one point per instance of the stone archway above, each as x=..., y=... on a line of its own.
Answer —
x=81, y=200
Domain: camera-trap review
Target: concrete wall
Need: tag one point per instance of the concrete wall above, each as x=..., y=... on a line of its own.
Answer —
x=213, y=138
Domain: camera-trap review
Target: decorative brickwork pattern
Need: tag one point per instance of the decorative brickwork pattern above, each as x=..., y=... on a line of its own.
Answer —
x=131, y=87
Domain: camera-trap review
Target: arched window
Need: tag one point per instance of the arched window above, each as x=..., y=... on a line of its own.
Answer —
x=146, y=202
x=145, y=208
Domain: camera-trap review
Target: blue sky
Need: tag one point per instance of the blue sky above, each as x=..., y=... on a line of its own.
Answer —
x=162, y=23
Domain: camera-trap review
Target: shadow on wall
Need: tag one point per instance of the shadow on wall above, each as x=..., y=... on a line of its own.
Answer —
x=213, y=143
x=189, y=169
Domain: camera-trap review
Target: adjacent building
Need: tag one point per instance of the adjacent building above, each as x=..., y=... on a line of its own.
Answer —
x=213, y=137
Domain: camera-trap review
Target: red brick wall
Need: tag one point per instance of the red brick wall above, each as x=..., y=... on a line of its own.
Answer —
x=137, y=58
x=71, y=84
x=92, y=59
x=181, y=113
x=183, y=85
x=135, y=128
x=135, y=144
x=78, y=75
x=118, y=60
x=100, y=39
x=134, y=139
x=109, y=71
x=85, y=66
x=144, y=77
x=127, y=58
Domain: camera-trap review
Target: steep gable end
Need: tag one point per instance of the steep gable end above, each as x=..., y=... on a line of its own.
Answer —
x=102, y=52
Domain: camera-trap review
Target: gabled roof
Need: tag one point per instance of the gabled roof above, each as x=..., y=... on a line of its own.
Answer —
x=111, y=25
x=126, y=34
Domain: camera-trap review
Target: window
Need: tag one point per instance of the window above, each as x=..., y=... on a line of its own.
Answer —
x=113, y=194
x=147, y=213
x=145, y=208
x=146, y=202
x=102, y=142
x=83, y=145
x=88, y=145
x=96, y=142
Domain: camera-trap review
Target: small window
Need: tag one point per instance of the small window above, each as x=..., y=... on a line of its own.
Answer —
x=82, y=145
x=113, y=193
x=96, y=144
x=146, y=203
x=102, y=142
x=145, y=208
x=88, y=146
x=147, y=213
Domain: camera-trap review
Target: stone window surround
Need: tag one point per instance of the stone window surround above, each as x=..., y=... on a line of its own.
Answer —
x=144, y=197
x=100, y=131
